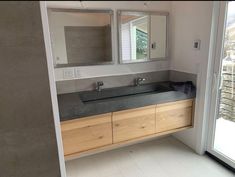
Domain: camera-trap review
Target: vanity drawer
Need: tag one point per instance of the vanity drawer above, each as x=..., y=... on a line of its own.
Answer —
x=173, y=115
x=133, y=123
x=86, y=133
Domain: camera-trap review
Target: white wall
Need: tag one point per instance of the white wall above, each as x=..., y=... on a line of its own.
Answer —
x=158, y=28
x=190, y=21
x=116, y=69
x=126, y=41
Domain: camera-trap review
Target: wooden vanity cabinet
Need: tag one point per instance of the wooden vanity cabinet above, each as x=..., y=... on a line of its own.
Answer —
x=107, y=131
x=173, y=115
x=86, y=133
x=133, y=123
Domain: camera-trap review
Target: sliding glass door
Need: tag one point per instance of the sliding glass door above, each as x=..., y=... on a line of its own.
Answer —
x=222, y=122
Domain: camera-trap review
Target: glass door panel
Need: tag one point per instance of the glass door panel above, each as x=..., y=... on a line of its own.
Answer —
x=223, y=144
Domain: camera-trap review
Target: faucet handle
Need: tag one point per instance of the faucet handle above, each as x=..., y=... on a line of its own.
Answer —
x=100, y=83
x=143, y=79
x=138, y=80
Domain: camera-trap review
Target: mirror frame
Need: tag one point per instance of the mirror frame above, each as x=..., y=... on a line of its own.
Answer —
x=140, y=12
x=108, y=11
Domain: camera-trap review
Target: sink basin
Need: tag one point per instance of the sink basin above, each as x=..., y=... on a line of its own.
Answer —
x=88, y=103
x=111, y=93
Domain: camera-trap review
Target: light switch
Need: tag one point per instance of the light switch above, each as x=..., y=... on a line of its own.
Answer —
x=154, y=45
x=68, y=73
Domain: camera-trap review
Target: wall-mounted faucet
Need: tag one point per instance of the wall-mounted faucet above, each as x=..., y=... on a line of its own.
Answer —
x=138, y=80
x=99, y=84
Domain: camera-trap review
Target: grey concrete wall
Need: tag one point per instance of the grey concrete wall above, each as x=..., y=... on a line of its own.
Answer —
x=27, y=133
x=108, y=44
x=178, y=76
x=86, y=44
x=70, y=86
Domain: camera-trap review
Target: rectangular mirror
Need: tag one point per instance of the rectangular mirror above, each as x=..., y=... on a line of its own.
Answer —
x=142, y=36
x=81, y=37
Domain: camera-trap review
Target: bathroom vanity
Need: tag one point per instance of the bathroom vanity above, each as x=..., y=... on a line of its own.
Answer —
x=103, y=119
x=94, y=121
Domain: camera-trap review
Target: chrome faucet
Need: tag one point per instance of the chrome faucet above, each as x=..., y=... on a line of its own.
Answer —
x=138, y=80
x=99, y=84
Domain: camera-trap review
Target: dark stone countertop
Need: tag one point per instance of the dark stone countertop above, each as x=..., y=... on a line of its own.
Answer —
x=88, y=103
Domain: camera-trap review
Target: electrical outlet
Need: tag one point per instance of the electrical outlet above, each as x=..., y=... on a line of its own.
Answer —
x=197, y=44
x=68, y=73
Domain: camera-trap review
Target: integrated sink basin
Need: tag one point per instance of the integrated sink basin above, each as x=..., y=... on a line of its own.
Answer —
x=117, y=92
x=88, y=103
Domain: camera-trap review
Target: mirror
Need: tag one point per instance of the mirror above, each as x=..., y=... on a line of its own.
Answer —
x=142, y=36
x=81, y=37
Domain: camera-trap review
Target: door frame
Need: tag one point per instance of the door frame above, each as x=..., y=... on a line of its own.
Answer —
x=51, y=74
x=220, y=9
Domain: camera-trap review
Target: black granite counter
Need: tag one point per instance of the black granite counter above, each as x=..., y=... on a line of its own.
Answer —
x=82, y=104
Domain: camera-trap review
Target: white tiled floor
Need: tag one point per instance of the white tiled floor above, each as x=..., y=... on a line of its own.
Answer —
x=165, y=157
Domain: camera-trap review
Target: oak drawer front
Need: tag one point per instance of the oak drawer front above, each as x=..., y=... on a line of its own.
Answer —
x=173, y=115
x=133, y=123
x=86, y=133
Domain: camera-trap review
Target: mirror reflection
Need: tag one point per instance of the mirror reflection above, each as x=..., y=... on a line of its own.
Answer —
x=158, y=28
x=134, y=29
x=143, y=36
x=80, y=37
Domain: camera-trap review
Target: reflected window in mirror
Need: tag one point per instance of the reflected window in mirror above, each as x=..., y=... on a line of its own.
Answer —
x=134, y=31
x=81, y=37
x=142, y=36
